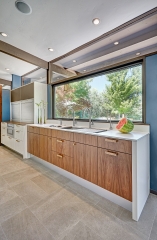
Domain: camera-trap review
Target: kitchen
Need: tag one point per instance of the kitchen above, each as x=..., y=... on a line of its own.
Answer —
x=64, y=165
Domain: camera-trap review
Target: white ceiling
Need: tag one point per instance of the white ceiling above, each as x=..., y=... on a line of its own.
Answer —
x=64, y=25
x=16, y=66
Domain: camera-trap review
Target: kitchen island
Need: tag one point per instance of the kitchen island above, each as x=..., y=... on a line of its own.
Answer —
x=114, y=165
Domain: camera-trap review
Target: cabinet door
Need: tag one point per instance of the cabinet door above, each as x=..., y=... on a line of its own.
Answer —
x=36, y=145
x=115, y=172
x=30, y=137
x=85, y=162
x=43, y=147
x=107, y=171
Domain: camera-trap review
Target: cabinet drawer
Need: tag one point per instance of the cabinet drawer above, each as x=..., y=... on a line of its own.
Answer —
x=86, y=139
x=64, y=135
x=43, y=131
x=18, y=127
x=30, y=129
x=4, y=124
x=62, y=161
x=51, y=132
x=18, y=135
x=3, y=130
x=36, y=130
x=18, y=146
x=124, y=146
x=64, y=147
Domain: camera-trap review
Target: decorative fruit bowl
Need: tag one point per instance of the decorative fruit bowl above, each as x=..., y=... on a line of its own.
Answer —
x=125, y=125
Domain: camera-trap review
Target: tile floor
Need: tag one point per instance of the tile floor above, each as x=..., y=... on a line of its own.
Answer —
x=39, y=204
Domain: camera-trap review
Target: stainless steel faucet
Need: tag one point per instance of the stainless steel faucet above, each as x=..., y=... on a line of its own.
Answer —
x=90, y=118
x=111, y=125
x=74, y=121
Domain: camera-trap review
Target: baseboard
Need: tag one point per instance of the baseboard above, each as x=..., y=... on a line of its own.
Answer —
x=154, y=192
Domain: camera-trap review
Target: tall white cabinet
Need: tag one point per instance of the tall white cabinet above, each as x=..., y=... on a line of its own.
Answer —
x=23, y=102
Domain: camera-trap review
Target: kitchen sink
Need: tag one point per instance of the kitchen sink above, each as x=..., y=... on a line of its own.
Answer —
x=56, y=126
x=72, y=128
x=92, y=130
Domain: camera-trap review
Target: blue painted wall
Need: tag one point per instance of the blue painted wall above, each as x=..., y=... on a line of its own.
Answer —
x=5, y=105
x=16, y=81
x=49, y=101
x=151, y=115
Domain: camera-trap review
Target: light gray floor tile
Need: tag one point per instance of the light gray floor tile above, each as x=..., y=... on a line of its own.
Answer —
x=7, y=195
x=29, y=192
x=66, y=217
x=91, y=196
x=44, y=208
x=2, y=235
x=147, y=217
x=63, y=180
x=47, y=184
x=25, y=226
x=10, y=208
x=20, y=176
x=52, y=174
x=153, y=234
x=105, y=224
x=3, y=184
x=37, y=166
x=81, y=232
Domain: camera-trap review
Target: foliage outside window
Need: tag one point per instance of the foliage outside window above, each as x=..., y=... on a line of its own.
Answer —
x=118, y=93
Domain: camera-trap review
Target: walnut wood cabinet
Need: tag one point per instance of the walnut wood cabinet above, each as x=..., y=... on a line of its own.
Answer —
x=115, y=167
x=105, y=162
x=85, y=162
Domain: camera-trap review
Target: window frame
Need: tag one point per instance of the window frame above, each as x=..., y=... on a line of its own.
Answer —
x=109, y=70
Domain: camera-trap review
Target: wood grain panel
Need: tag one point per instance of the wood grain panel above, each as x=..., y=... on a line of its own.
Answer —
x=85, y=138
x=91, y=140
x=65, y=135
x=78, y=159
x=125, y=175
x=36, y=145
x=27, y=91
x=44, y=131
x=30, y=129
x=43, y=147
x=68, y=164
x=115, y=144
x=53, y=133
x=30, y=137
x=53, y=144
x=54, y=159
x=65, y=147
x=114, y=172
x=36, y=130
x=16, y=95
x=91, y=164
x=107, y=172
x=49, y=146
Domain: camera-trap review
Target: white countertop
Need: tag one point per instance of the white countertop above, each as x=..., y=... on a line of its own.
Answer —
x=133, y=136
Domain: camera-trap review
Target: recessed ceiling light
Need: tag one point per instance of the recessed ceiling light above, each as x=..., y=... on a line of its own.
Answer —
x=7, y=69
x=116, y=43
x=23, y=7
x=96, y=21
x=74, y=61
x=84, y=70
x=137, y=54
x=50, y=49
x=4, y=34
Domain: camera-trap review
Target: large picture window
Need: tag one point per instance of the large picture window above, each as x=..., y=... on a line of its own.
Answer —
x=116, y=93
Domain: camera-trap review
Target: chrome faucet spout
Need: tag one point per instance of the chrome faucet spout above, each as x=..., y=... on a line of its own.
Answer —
x=90, y=119
x=60, y=122
x=74, y=121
